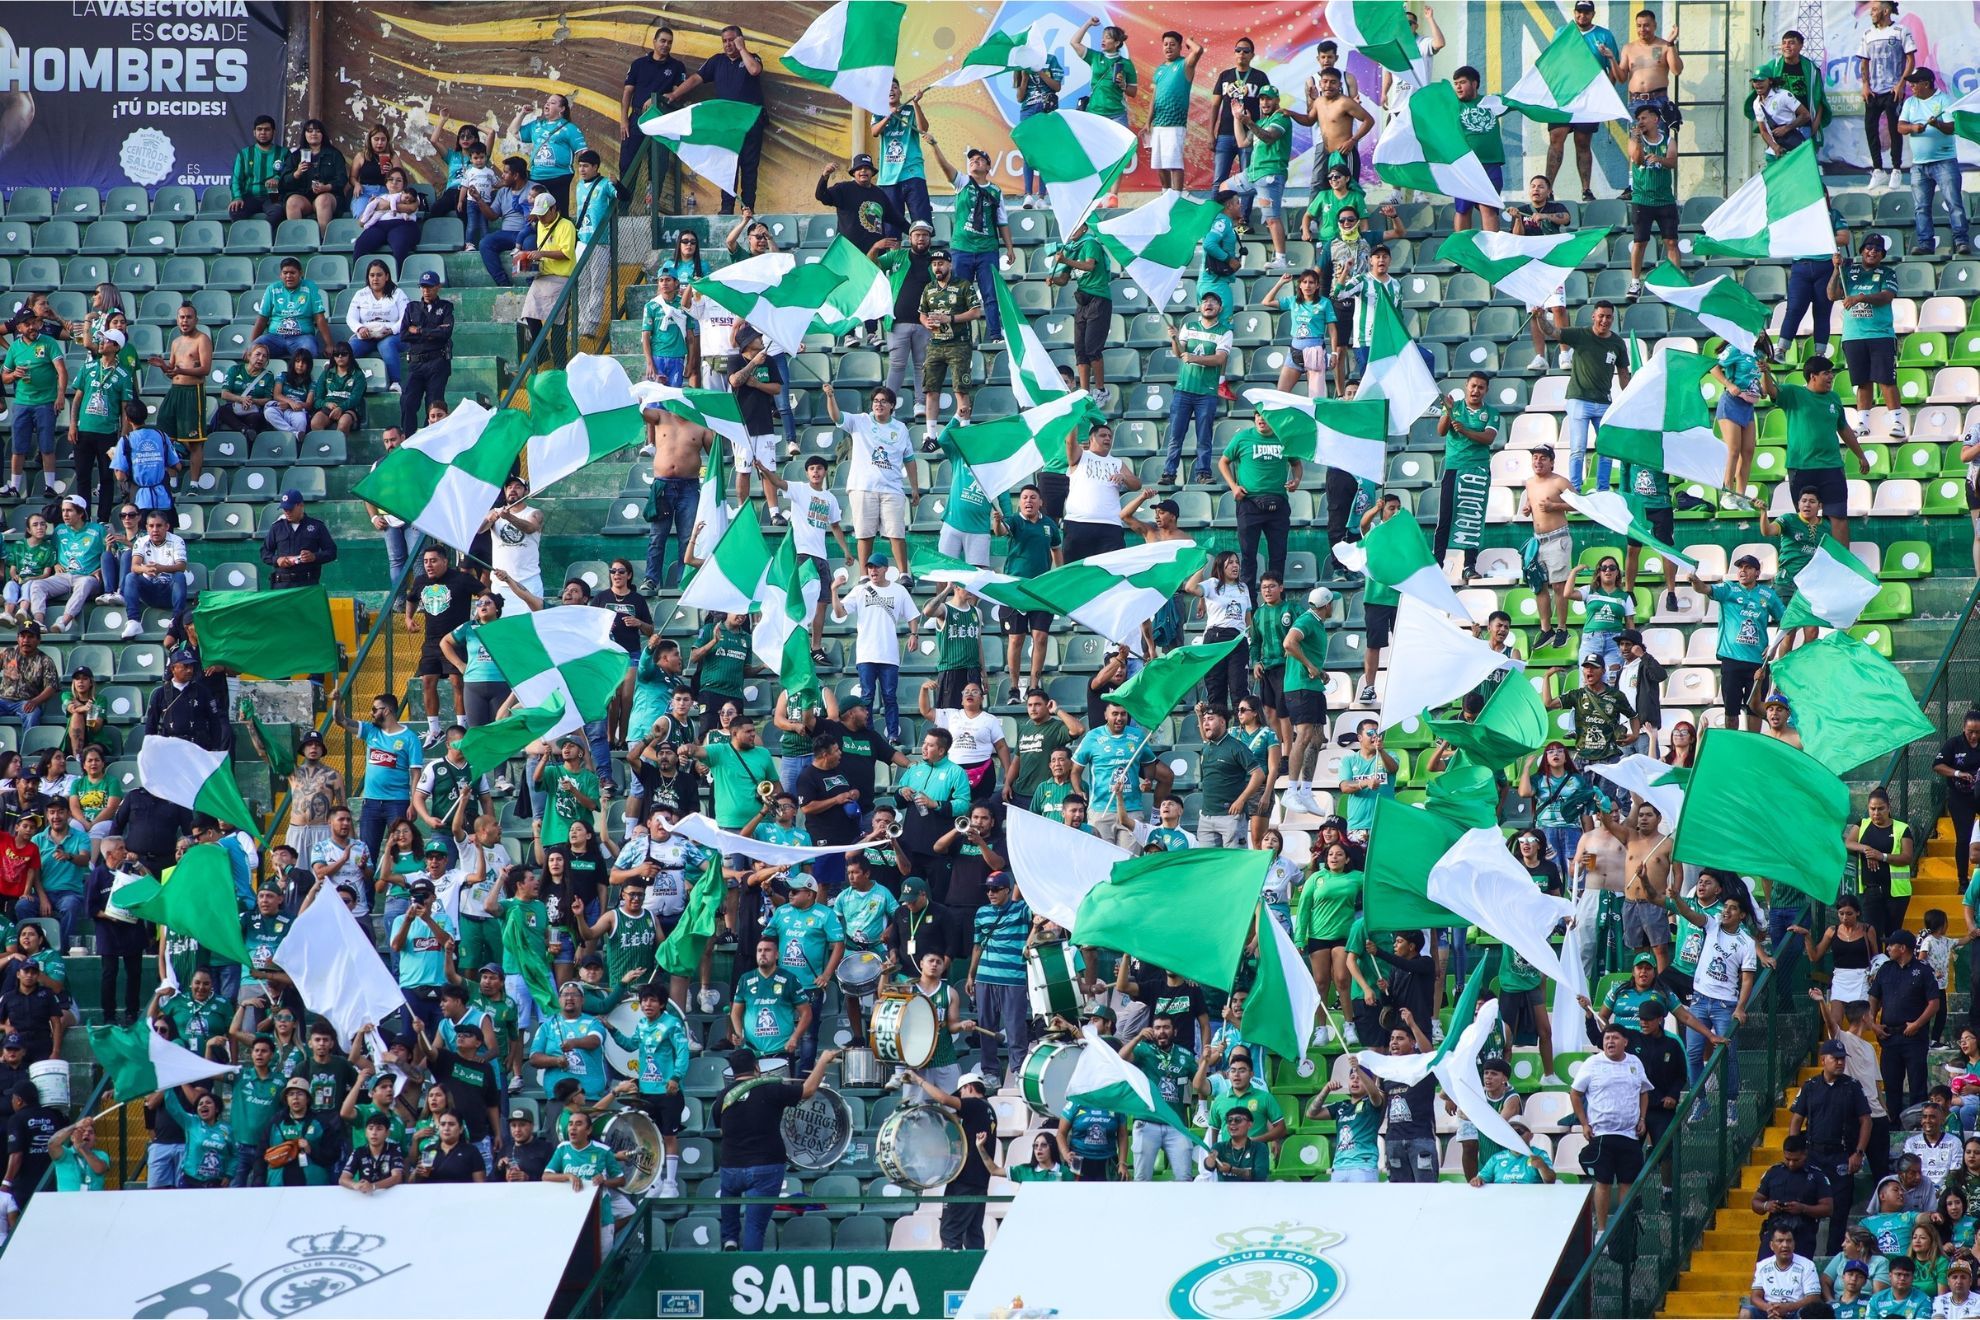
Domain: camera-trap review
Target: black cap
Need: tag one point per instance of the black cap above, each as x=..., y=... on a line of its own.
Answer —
x=1588, y=5
x=1631, y=636
x=938, y=254
x=1920, y=75
x=1833, y=1048
x=863, y=162
x=591, y=960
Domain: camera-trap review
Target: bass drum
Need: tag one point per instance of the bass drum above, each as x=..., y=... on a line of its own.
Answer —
x=904, y=1030
x=817, y=1131
x=1047, y=1075
x=635, y=1139
x=625, y=1020
x=920, y=1146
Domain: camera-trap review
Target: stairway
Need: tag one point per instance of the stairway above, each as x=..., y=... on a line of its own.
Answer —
x=1937, y=883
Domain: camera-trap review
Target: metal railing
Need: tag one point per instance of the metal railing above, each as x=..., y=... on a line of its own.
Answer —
x=1650, y=1233
x=1918, y=796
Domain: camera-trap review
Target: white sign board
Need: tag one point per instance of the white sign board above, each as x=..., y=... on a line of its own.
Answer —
x=278, y=1251
x=1277, y=1250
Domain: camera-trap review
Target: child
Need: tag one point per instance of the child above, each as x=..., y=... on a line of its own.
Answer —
x=1311, y=318
x=1852, y=1301
x=27, y=561
x=1738, y=374
x=84, y=710
x=663, y=335
x=339, y=394
x=478, y=181
x=1935, y=951
x=1170, y=836
x=1798, y=535
x=295, y=394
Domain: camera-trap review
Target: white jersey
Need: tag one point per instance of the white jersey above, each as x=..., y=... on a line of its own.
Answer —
x=1789, y=1283
x=881, y=452
x=1092, y=495
x=518, y=553
x=880, y=613
x=813, y=514
x=1225, y=605
x=976, y=736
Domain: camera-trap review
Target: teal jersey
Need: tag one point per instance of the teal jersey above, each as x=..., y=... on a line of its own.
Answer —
x=1113, y=764
x=292, y=311
x=1361, y=806
x=423, y=961
x=73, y=1173
x=588, y=1066
x=999, y=932
x=105, y=391
x=968, y=508
x=592, y=1160
x=1171, y=108
x=661, y=1047
x=79, y=550
x=804, y=939
x=900, y=148
x=667, y=325
x=1169, y=840
x=864, y=916
x=255, y=1103
x=769, y=1010
x=1507, y=1167
x=209, y=1157
x=1868, y=320
x=1744, y=613
x=1355, y=1125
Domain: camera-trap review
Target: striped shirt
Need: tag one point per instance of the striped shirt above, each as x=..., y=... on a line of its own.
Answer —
x=1000, y=933
x=1364, y=309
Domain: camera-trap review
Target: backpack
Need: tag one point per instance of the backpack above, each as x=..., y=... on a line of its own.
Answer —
x=149, y=454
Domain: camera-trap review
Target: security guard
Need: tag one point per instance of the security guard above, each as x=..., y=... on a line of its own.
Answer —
x=426, y=339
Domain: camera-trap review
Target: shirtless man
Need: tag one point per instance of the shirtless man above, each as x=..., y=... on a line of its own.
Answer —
x=679, y=446
x=1600, y=865
x=1543, y=502
x=1342, y=123
x=1647, y=66
x=1646, y=880
x=182, y=414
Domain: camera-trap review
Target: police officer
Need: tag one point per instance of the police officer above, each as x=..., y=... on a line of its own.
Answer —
x=426, y=339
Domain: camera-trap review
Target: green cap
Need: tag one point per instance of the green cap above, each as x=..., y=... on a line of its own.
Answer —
x=1644, y=960
x=912, y=885
x=1761, y=75
x=1272, y=92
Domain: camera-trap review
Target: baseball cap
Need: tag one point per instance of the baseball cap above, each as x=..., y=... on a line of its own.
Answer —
x=78, y=501
x=436, y=847
x=430, y=279
x=1587, y=6
x=114, y=337
x=83, y=671
x=997, y=880
x=1877, y=241
x=421, y=890
x=543, y=205
x=1650, y=1011
x=1644, y=960
x=292, y=499
x=1272, y=92
x=922, y=225
x=1102, y=1012
x=1747, y=561
x=1959, y=1265
x=862, y=162
x=1776, y=699
x=851, y=702
x=1630, y=636
x=312, y=737
x=938, y=254
x=1863, y=1267
x=297, y=1084
x=29, y=626
x=592, y=960
x=1170, y=507
x=1833, y=1048
x=798, y=882
x=490, y=967
x=12, y=1041
x=1920, y=75
x=914, y=886
x=182, y=656
x=878, y=559
x=521, y=1116
x=1320, y=598
x=1591, y=662
x=1760, y=75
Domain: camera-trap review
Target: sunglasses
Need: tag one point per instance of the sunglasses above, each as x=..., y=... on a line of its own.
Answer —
x=128, y=513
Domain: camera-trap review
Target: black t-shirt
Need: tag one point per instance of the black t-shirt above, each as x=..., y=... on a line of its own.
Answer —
x=861, y=209
x=28, y=1132
x=628, y=607
x=458, y=1165
x=911, y=934
x=969, y=870
x=471, y=1086
x=445, y=604
x=1410, y=1110
x=838, y=824
x=30, y=1015
x=1961, y=757
x=329, y=1082
x=1183, y=1002
x=884, y=860
x=907, y=303
x=1663, y=1063
x=681, y=794
x=977, y=1117
x=367, y=1166
x=649, y=78
x=532, y=1157
x=1547, y=876
x=587, y=872
x=860, y=755
x=758, y=408
x=733, y=81
x=1232, y=86
x=751, y=1114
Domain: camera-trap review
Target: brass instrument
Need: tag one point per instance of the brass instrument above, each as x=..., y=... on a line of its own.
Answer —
x=766, y=791
x=962, y=825
x=894, y=830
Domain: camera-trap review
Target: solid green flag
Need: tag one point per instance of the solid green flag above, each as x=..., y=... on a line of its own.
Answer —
x=528, y=957
x=1153, y=692
x=272, y=634
x=196, y=899
x=1757, y=806
x=1404, y=844
x=1187, y=912
x=680, y=953
x=1512, y=723
x=1850, y=704
x=1284, y=1001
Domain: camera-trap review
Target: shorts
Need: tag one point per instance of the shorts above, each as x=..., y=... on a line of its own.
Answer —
x=1381, y=622
x=1019, y=622
x=671, y=370
x=1092, y=321
x=949, y=685
x=1519, y=1009
x=824, y=569
x=1306, y=706
x=944, y=361
x=1616, y=1159
x=668, y=1112
x=1736, y=681
x=1973, y=491
x=1582, y=129
x=1829, y=483
x=878, y=513
x=1735, y=410
x=1557, y=556
x=1310, y=354
x=1663, y=522
x=1321, y=946
x=1645, y=926
x=756, y=449
x=1165, y=147
x=970, y=547
x=1272, y=688
x=182, y=414
x=1871, y=361
x=433, y=664
x=1497, y=174
x=1664, y=219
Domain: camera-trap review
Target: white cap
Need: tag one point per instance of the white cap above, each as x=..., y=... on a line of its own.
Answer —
x=1320, y=598
x=78, y=501
x=972, y=1076
x=541, y=206
x=114, y=337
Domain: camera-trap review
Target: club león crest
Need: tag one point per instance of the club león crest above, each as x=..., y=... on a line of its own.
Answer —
x=327, y=1265
x=1266, y=1273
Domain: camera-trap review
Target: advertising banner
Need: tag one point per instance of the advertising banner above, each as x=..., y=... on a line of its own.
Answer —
x=689, y=1286
x=106, y=93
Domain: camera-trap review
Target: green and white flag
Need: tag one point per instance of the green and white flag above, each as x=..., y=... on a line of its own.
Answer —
x=487, y=746
x=1530, y=269
x=1660, y=420
x=782, y=637
x=1396, y=554
x=932, y=566
x=1397, y=370
x=715, y=410
x=1284, y=1000
x=1614, y=512
x=1966, y=116
x=707, y=136
x=447, y=476
x=1722, y=303
x=1188, y=912
x=850, y=48
x=773, y=294
x=1349, y=434
x=579, y=415
x=731, y=578
x=1513, y=723
x=565, y=651
x=864, y=293
x=1444, y=662
x=1424, y=147
x=139, y=1061
x=1830, y=591
x=195, y=897
x=680, y=953
x=1102, y=1079
x=1757, y=806
x=1034, y=375
x=1005, y=452
x=1378, y=29
x=1080, y=156
x=1851, y=706
x=1150, y=696
x=1567, y=85
x=1001, y=52
x=1114, y=593
x=1155, y=242
x=183, y=772
x=1781, y=213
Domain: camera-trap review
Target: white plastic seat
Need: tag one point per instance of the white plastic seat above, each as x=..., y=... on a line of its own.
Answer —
x=1956, y=385
x=1499, y=566
x=1900, y=497
x=1501, y=505
x=1869, y=552
x=1764, y=551
x=1694, y=684
x=1665, y=645
x=1702, y=647
x=1711, y=561
x=1511, y=467
x=1549, y=396
x=1532, y=429
x=1942, y=314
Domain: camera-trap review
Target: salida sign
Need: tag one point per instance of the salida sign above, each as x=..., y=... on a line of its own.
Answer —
x=930, y=1284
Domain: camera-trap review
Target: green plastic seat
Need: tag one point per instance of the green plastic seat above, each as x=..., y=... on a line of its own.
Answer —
x=1906, y=561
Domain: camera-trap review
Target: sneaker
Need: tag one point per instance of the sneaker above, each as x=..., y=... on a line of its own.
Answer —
x=393, y=388
x=1277, y=264
x=432, y=738
x=503, y=786
x=1634, y=291
x=1897, y=427
x=132, y=627
x=1962, y=249
x=1168, y=478
x=730, y=1244
x=668, y=1188
x=1015, y=697
x=1876, y=181
x=1349, y=1034
x=1671, y=602
x=7, y=617
x=646, y=451
x=1098, y=394
x=515, y=1083
x=1924, y=249
x=929, y=444
x=819, y=657
x=1565, y=358
x=1587, y=195
x=1365, y=697
x=1863, y=426
x=1539, y=362
x=63, y=623
x=711, y=999
x=1469, y=575
x=1625, y=194
x=649, y=588
x=1200, y=477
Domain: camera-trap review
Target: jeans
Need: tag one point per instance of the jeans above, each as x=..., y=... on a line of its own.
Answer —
x=493, y=248
x=676, y=499
x=1929, y=178
x=401, y=236
x=377, y=817
x=282, y=347
x=910, y=198
x=161, y=1165
x=1808, y=288
x=1228, y=153
x=1718, y=1015
x=1582, y=415
x=395, y=549
x=250, y=1169
x=1202, y=408
x=116, y=567
x=474, y=225
x=1602, y=646
x=1030, y=176
x=68, y=907
x=982, y=267
x=1413, y=1159
x=169, y=590
x=1562, y=840
x=1273, y=528
x=34, y=428
x=1002, y=1009
x=907, y=347
x=882, y=683
x=386, y=350
x=754, y=1180
x=1152, y=1139
x=601, y=752
x=31, y=716
x=808, y=1047
x=1786, y=946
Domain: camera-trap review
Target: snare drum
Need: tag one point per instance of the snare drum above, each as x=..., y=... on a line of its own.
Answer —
x=904, y=1030
x=817, y=1131
x=859, y=972
x=1047, y=1075
x=1051, y=981
x=920, y=1146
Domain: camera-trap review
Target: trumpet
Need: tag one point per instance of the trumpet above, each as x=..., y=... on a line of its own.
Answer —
x=766, y=790
x=962, y=825
x=894, y=830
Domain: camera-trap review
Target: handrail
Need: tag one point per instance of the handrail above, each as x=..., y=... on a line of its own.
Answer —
x=1935, y=688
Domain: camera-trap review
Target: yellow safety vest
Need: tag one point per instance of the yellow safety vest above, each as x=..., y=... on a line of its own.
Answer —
x=1900, y=875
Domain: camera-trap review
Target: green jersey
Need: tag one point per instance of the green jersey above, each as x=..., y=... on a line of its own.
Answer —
x=1744, y=613
x=1106, y=97
x=562, y=786
x=341, y=389
x=666, y=327
x=594, y=1159
x=291, y=311
x=1328, y=901
x=1624, y=1002
x=38, y=359
x=722, y=669
x=1258, y=461
x=1597, y=358
x=1463, y=454
x=769, y=1009
x=1049, y=800
x=1650, y=183
x=979, y=212
x=1034, y=746
x=1271, y=157
x=1506, y=1166
x=1029, y=545
x=1608, y=611
x=105, y=391
x=1199, y=339
x=1479, y=118
x=1812, y=419
x=1868, y=320
x=1098, y=282
x=1313, y=643
x=736, y=776
x=1355, y=1124
x=968, y=509
x=262, y=934
x=633, y=945
x=1168, y=1071
x=1255, y=1100
x=1797, y=541
x=196, y=1021
x=31, y=559
x=961, y=642
x=1266, y=632
x=1171, y=109
x=900, y=148
x=1645, y=488
x=79, y=550
x=74, y=1174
